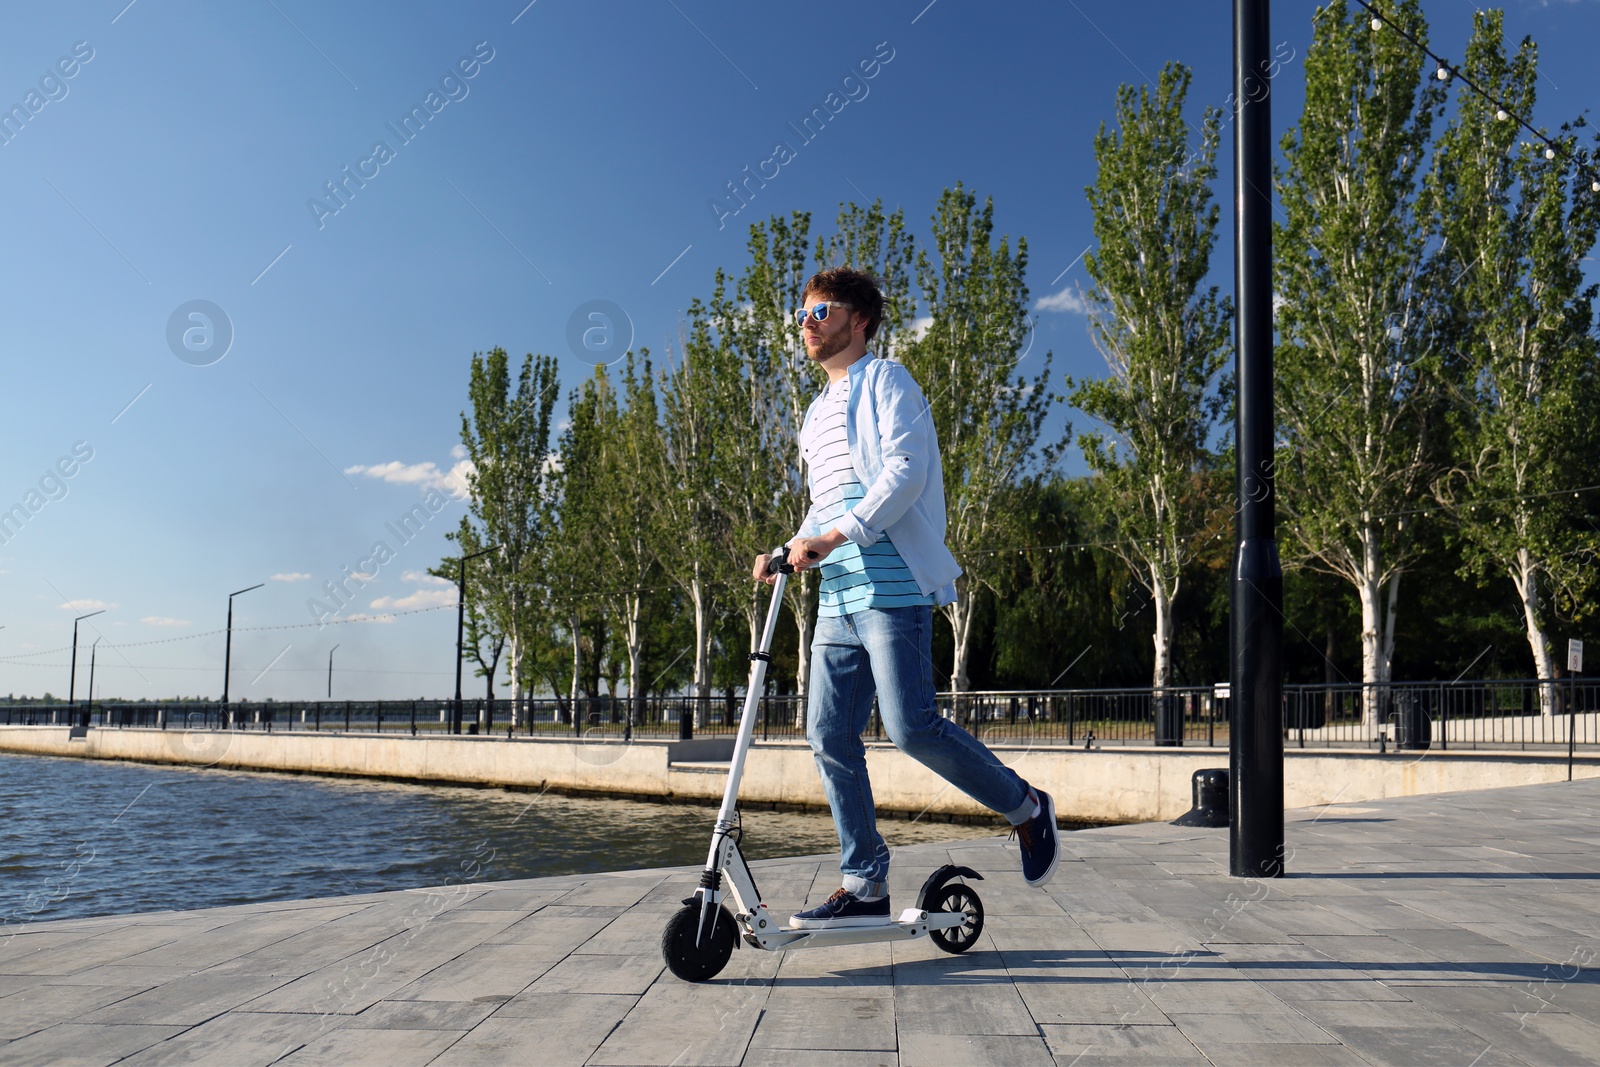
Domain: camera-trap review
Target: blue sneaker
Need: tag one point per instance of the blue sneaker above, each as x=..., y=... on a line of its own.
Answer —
x=1041, y=852
x=844, y=908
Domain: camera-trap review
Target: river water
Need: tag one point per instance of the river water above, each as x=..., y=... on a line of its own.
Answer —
x=85, y=837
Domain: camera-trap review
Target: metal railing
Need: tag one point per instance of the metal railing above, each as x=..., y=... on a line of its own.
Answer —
x=1517, y=714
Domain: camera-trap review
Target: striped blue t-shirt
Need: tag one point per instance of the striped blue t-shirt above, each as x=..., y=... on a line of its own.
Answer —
x=853, y=578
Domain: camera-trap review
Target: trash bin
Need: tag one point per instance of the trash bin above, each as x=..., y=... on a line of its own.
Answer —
x=1413, y=729
x=1307, y=711
x=1169, y=719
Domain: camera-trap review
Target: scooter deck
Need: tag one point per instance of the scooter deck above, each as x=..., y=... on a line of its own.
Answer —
x=911, y=925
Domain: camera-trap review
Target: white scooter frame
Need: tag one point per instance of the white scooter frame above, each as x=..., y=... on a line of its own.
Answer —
x=700, y=937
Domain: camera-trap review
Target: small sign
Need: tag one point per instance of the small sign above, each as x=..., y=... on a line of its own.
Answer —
x=1222, y=691
x=1574, y=655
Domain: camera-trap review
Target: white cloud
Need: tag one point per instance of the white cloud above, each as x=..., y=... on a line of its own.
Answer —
x=87, y=605
x=290, y=576
x=159, y=620
x=422, y=598
x=918, y=327
x=426, y=475
x=458, y=451
x=1069, y=300
x=424, y=577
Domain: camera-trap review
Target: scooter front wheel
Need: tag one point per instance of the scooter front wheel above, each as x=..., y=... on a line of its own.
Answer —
x=698, y=962
x=958, y=896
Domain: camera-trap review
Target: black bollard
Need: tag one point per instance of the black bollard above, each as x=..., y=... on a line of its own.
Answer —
x=1210, y=799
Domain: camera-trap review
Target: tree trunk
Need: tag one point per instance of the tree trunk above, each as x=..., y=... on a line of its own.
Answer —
x=635, y=660
x=1525, y=576
x=577, y=669
x=514, y=658
x=959, y=612
x=1161, y=677
x=702, y=647
x=1368, y=591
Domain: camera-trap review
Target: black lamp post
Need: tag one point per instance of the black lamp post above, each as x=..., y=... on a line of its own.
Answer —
x=1255, y=845
x=72, y=684
x=88, y=712
x=331, y=651
x=461, y=622
x=227, y=656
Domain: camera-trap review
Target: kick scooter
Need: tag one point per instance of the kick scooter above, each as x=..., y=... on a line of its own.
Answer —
x=702, y=935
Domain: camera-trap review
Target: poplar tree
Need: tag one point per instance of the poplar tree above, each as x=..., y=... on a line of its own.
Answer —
x=1515, y=227
x=988, y=417
x=1164, y=340
x=694, y=454
x=783, y=384
x=1356, y=401
x=507, y=438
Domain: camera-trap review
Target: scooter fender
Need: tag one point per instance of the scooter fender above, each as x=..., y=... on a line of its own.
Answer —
x=939, y=879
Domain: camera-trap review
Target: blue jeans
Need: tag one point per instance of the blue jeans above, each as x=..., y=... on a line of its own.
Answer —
x=888, y=652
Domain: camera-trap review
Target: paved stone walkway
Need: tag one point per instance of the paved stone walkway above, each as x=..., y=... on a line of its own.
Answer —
x=1456, y=929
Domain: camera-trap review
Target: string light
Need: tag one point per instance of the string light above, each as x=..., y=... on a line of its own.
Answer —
x=1503, y=113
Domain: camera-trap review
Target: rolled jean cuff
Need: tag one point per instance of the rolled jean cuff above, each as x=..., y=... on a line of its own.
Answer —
x=860, y=887
x=1018, y=816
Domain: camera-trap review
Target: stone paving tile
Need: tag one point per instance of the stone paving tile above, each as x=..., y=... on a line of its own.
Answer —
x=553, y=930
x=939, y=1050
x=600, y=974
x=653, y=1033
x=1418, y=1046
x=788, y=1057
x=613, y=891
x=1262, y=1054
x=32, y=954
x=239, y=1039
x=945, y=1002
x=827, y=1020
x=187, y=1001
x=1095, y=1045
x=45, y=1004
x=1287, y=1028
x=353, y=983
x=423, y=1014
x=84, y=1044
x=373, y=1048
x=482, y=971
x=1093, y=1001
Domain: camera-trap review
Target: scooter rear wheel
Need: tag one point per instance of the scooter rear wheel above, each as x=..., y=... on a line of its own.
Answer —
x=692, y=962
x=958, y=896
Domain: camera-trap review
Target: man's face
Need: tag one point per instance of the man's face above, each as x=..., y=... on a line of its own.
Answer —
x=831, y=336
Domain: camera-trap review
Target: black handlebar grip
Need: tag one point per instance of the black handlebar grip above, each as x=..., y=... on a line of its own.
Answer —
x=778, y=563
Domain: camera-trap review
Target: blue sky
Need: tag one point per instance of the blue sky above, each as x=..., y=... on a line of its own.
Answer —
x=569, y=154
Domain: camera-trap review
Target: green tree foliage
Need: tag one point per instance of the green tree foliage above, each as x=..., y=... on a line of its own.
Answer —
x=1515, y=227
x=988, y=417
x=1357, y=410
x=507, y=438
x=1164, y=339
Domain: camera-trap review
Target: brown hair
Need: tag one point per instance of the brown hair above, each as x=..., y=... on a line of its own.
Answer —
x=850, y=286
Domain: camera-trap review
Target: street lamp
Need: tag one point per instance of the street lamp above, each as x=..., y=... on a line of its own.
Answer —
x=461, y=621
x=72, y=685
x=89, y=711
x=227, y=656
x=331, y=651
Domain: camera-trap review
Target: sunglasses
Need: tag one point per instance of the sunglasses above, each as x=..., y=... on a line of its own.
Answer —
x=818, y=311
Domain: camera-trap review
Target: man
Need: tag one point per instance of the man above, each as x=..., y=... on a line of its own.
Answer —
x=876, y=529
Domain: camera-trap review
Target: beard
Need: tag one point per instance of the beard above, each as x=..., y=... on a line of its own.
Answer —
x=829, y=345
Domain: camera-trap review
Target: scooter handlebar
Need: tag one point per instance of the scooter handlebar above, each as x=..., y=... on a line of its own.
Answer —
x=778, y=562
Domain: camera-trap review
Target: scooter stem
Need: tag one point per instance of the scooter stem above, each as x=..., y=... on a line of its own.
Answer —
x=758, y=675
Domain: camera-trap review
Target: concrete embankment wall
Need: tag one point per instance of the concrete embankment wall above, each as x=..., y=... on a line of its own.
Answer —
x=1103, y=786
